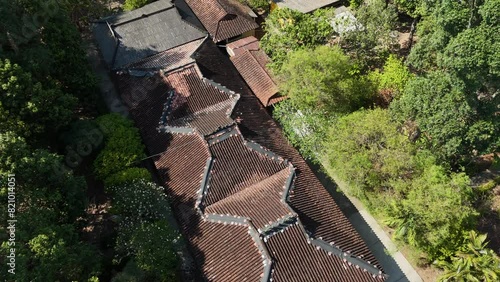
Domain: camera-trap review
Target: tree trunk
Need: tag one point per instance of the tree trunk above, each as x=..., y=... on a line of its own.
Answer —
x=413, y=28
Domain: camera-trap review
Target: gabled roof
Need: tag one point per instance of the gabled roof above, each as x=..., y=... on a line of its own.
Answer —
x=251, y=61
x=254, y=229
x=195, y=103
x=268, y=194
x=299, y=258
x=237, y=166
x=170, y=59
x=256, y=76
x=129, y=37
x=304, y=6
x=223, y=19
x=239, y=46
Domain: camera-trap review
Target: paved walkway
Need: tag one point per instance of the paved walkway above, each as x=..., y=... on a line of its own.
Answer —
x=392, y=260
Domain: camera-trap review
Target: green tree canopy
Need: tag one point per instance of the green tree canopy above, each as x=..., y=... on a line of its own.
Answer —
x=435, y=213
x=456, y=124
x=27, y=107
x=288, y=30
x=324, y=78
x=393, y=77
x=375, y=38
x=365, y=150
x=143, y=232
x=48, y=200
x=123, y=147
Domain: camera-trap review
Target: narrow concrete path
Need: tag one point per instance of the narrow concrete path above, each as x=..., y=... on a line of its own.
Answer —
x=392, y=260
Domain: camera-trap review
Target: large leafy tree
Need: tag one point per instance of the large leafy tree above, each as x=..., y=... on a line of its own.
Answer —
x=435, y=212
x=48, y=200
x=374, y=37
x=428, y=208
x=365, y=150
x=455, y=123
x=143, y=232
x=324, y=78
x=461, y=37
x=29, y=108
x=39, y=36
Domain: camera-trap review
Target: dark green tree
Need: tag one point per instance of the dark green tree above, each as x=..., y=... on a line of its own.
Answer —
x=27, y=107
x=456, y=125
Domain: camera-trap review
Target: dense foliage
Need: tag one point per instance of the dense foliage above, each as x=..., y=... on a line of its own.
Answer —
x=374, y=36
x=143, y=233
x=123, y=146
x=393, y=78
x=47, y=240
x=27, y=107
x=455, y=124
x=257, y=4
x=406, y=163
x=325, y=79
x=127, y=175
x=47, y=108
x=288, y=30
x=474, y=262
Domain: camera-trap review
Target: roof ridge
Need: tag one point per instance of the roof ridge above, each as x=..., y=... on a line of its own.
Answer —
x=346, y=256
x=254, y=146
x=265, y=71
x=257, y=185
x=130, y=67
x=254, y=234
x=142, y=15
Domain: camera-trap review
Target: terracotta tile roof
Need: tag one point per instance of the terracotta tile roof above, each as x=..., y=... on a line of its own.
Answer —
x=236, y=166
x=223, y=19
x=169, y=60
x=316, y=208
x=227, y=252
x=142, y=96
x=266, y=194
x=196, y=103
x=239, y=46
x=229, y=175
x=297, y=259
x=255, y=75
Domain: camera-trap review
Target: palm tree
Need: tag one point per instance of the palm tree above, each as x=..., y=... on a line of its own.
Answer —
x=475, y=263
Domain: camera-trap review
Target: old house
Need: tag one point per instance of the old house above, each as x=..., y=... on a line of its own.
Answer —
x=247, y=204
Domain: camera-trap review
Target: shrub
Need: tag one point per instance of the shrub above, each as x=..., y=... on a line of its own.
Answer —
x=127, y=175
x=474, y=262
x=288, y=30
x=140, y=200
x=123, y=146
x=135, y=4
x=394, y=76
x=257, y=4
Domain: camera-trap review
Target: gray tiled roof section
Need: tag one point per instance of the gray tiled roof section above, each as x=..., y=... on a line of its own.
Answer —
x=137, y=13
x=142, y=33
